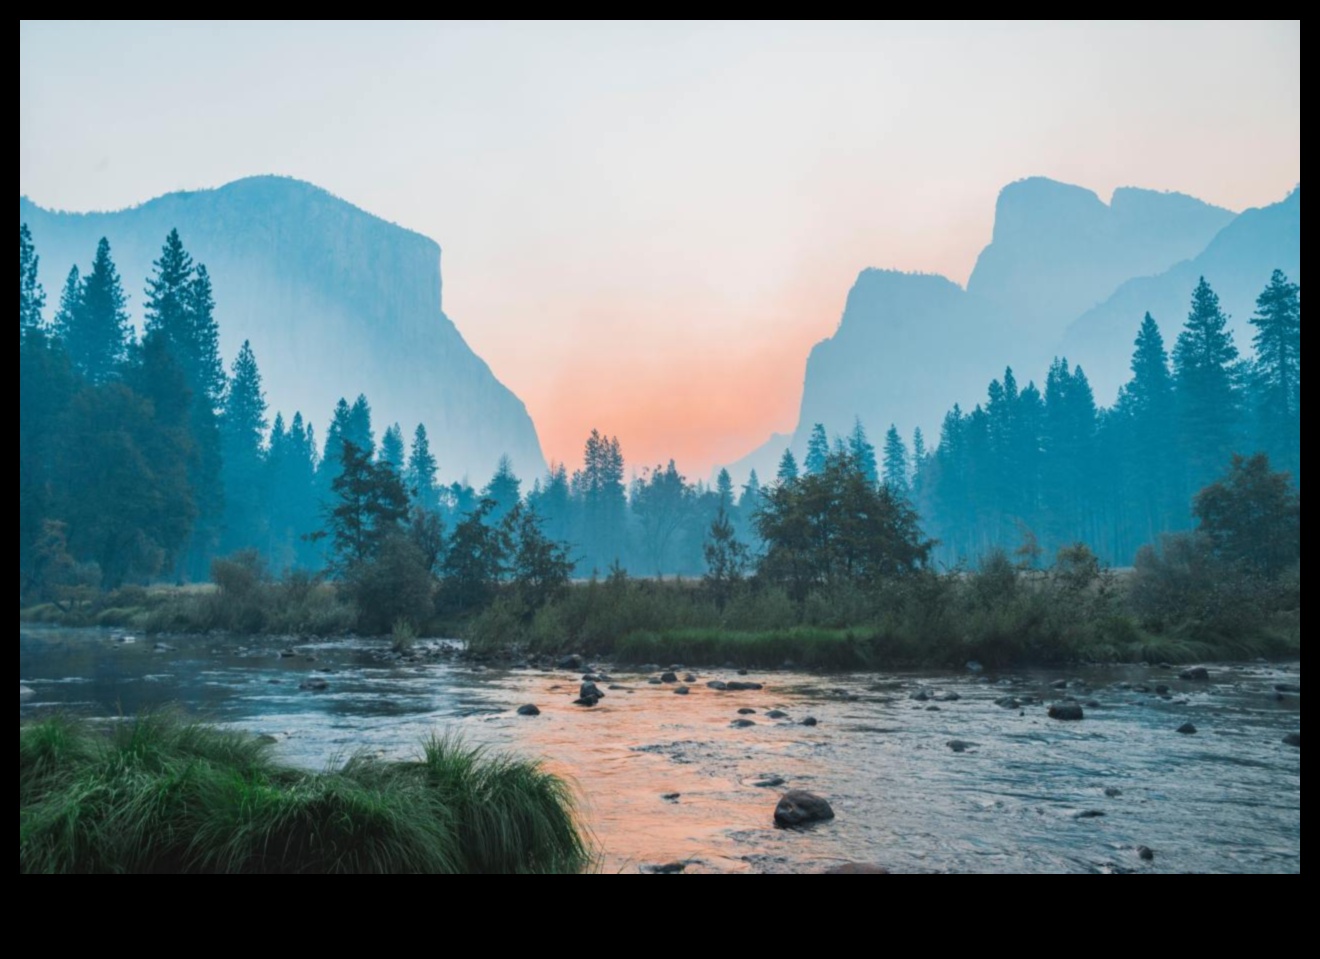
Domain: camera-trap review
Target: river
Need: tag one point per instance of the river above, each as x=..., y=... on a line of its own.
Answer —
x=667, y=778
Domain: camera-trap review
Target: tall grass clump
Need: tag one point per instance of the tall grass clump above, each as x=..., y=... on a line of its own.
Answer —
x=159, y=794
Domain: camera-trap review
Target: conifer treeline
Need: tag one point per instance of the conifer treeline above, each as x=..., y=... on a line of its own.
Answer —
x=141, y=458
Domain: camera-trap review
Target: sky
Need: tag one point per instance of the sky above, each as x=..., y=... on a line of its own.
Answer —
x=647, y=225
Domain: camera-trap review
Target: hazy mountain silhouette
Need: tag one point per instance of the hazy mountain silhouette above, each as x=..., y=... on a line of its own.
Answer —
x=909, y=346
x=336, y=302
x=1057, y=250
x=1237, y=263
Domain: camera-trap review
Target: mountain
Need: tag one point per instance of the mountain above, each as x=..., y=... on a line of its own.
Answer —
x=336, y=302
x=1058, y=250
x=910, y=346
x=1237, y=263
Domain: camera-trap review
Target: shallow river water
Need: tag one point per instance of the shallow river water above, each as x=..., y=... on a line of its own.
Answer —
x=1025, y=793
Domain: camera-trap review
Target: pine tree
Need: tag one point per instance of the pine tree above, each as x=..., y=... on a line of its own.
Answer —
x=242, y=431
x=724, y=490
x=863, y=452
x=208, y=372
x=1278, y=371
x=31, y=297
x=896, y=464
x=95, y=329
x=66, y=316
x=371, y=506
x=788, y=468
x=422, y=469
x=1146, y=424
x=505, y=489
x=359, y=426
x=818, y=450
x=391, y=448
x=1203, y=365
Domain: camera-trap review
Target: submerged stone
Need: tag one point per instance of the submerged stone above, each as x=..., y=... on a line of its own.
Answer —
x=797, y=807
x=528, y=710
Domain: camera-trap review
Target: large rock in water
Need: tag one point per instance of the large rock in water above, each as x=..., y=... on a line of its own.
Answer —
x=1066, y=711
x=335, y=301
x=797, y=807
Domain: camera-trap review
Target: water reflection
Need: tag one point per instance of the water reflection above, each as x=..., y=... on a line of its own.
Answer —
x=668, y=778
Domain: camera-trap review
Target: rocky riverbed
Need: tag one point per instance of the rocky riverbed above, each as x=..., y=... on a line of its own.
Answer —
x=1093, y=769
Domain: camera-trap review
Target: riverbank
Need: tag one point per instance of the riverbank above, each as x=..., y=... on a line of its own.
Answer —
x=159, y=794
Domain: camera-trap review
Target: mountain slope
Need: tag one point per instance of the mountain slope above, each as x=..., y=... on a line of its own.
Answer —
x=335, y=301
x=1237, y=263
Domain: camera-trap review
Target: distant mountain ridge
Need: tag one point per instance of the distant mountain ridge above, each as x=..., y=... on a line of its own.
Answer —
x=1064, y=275
x=336, y=302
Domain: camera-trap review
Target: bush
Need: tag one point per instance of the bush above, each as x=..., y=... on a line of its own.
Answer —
x=394, y=585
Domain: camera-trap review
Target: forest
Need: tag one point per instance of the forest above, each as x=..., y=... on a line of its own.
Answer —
x=144, y=461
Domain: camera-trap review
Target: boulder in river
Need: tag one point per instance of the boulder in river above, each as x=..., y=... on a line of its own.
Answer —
x=746, y=711
x=571, y=661
x=737, y=687
x=742, y=723
x=1145, y=853
x=1195, y=673
x=809, y=721
x=315, y=684
x=776, y=714
x=1008, y=702
x=717, y=684
x=528, y=710
x=1070, y=712
x=1293, y=739
x=769, y=782
x=664, y=869
x=681, y=691
x=590, y=691
x=689, y=678
x=1113, y=792
x=797, y=807
x=668, y=677
x=1288, y=688
x=1187, y=729
x=959, y=745
x=1090, y=814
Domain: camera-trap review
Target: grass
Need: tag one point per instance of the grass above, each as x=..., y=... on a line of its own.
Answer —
x=159, y=794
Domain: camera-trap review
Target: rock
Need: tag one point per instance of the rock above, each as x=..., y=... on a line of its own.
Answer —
x=1287, y=688
x=1113, y=792
x=797, y=807
x=746, y=711
x=1187, y=729
x=1196, y=673
x=770, y=782
x=671, y=797
x=1007, y=702
x=959, y=746
x=1293, y=739
x=1090, y=814
x=287, y=654
x=528, y=710
x=1093, y=704
x=920, y=696
x=590, y=691
x=668, y=677
x=742, y=723
x=667, y=869
x=689, y=678
x=776, y=714
x=314, y=684
x=587, y=701
x=681, y=691
x=856, y=869
x=1066, y=711
x=591, y=678
x=737, y=687
x=949, y=697
x=1145, y=853
x=932, y=709
x=1161, y=689
x=717, y=684
x=809, y=721
x=571, y=661
x=616, y=687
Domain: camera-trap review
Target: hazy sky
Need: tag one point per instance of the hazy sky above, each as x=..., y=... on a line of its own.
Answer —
x=647, y=225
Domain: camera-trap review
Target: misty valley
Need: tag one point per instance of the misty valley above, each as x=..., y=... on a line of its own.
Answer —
x=300, y=592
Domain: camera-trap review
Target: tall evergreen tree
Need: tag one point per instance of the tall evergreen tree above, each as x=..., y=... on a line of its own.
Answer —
x=421, y=472
x=1203, y=365
x=896, y=464
x=724, y=490
x=360, y=433
x=242, y=432
x=818, y=450
x=863, y=452
x=31, y=297
x=66, y=315
x=391, y=448
x=1146, y=425
x=788, y=468
x=95, y=330
x=505, y=489
x=1278, y=371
